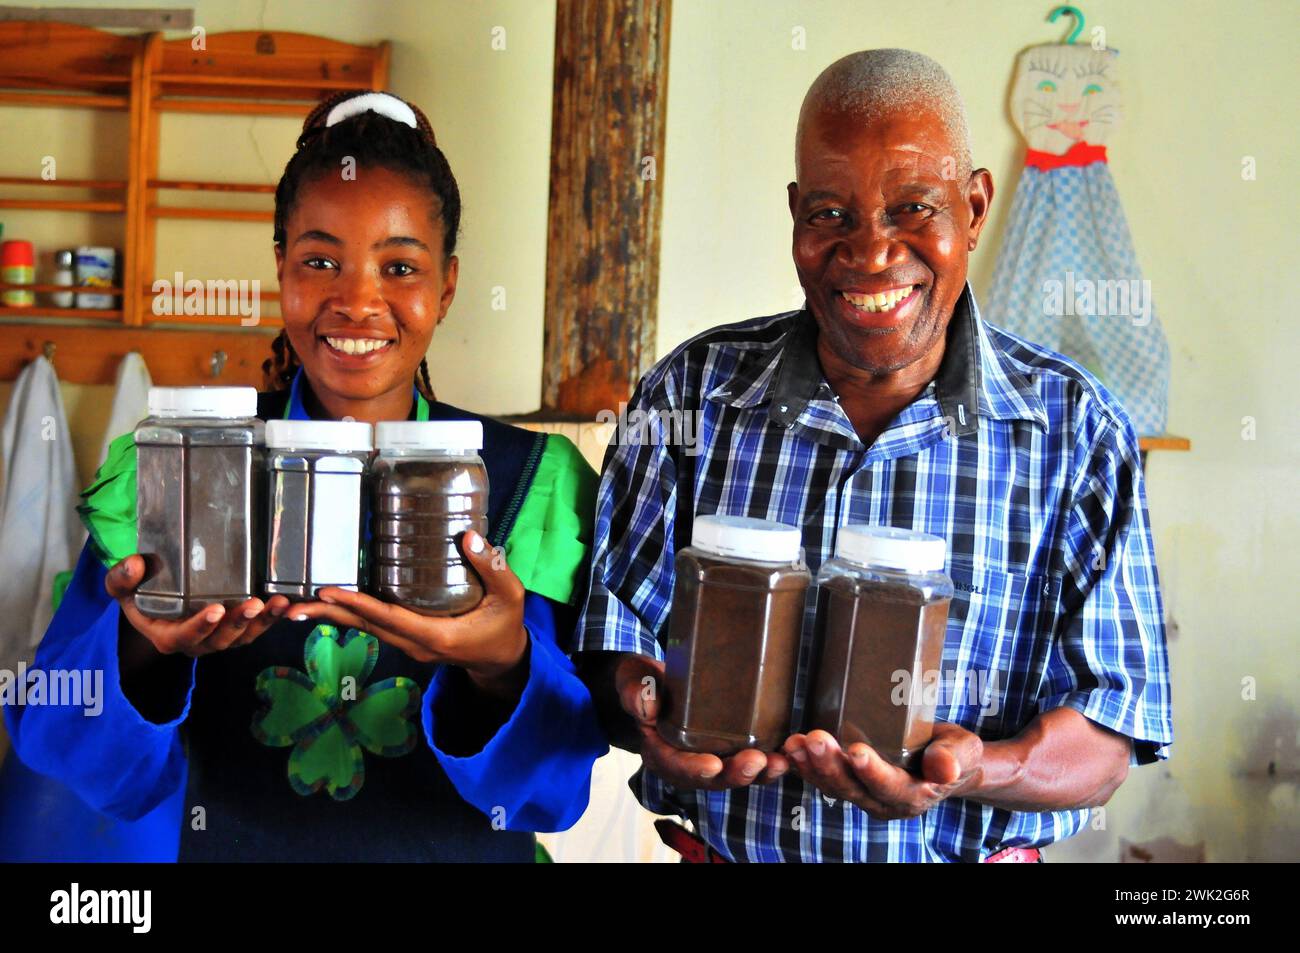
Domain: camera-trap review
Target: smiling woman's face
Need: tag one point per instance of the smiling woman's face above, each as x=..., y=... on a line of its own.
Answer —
x=363, y=284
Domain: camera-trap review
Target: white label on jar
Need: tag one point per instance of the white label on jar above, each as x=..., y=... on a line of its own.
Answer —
x=335, y=528
x=198, y=557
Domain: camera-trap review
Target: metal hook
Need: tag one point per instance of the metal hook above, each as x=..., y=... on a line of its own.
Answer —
x=1078, y=20
x=218, y=363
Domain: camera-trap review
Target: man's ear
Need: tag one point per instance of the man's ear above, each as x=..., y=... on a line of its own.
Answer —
x=279, y=266
x=792, y=196
x=979, y=196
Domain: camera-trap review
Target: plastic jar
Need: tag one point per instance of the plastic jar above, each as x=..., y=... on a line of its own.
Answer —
x=882, y=612
x=428, y=486
x=197, y=458
x=733, y=636
x=315, y=471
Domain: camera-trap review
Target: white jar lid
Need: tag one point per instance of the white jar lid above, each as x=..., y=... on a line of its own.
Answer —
x=344, y=436
x=891, y=547
x=217, y=402
x=746, y=537
x=429, y=435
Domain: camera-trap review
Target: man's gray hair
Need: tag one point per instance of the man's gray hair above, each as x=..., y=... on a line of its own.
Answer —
x=873, y=83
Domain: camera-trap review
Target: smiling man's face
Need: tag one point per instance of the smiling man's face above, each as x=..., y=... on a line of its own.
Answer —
x=884, y=222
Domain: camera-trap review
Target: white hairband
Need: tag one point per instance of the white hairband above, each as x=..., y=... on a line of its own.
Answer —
x=383, y=103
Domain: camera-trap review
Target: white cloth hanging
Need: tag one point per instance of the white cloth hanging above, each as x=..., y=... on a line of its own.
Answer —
x=130, y=400
x=39, y=530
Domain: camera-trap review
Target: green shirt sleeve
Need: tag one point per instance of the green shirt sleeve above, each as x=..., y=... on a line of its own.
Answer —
x=107, y=506
x=549, y=546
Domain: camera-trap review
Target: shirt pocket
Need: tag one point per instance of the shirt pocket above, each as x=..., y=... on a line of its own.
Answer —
x=996, y=647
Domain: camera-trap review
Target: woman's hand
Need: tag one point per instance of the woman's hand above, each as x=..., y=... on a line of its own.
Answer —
x=211, y=629
x=489, y=641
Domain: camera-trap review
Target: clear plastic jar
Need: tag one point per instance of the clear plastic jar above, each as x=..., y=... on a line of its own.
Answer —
x=882, y=613
x=315, y=473
x=197, y=459
x=733, y=636
x=428, y=487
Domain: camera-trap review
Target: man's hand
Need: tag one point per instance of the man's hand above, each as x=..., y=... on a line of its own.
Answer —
x=211, y=629
x=860, y=776
x=638, y=681
x=489, y=641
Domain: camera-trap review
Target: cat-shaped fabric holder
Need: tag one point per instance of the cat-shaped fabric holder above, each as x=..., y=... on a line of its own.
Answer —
x=1067, y=276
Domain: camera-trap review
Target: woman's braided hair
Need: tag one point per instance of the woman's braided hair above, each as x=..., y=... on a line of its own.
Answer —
x=371, y=141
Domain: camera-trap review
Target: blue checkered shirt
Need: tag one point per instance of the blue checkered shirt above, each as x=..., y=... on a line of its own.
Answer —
x=1016, y=456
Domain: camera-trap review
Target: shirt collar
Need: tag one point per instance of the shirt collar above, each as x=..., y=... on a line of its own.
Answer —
x=976, y=379
x=295, y=409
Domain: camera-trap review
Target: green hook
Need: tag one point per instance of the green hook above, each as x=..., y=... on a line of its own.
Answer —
x=1078, y=20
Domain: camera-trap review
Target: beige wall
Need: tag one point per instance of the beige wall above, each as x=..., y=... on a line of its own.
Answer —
x=1206, y=84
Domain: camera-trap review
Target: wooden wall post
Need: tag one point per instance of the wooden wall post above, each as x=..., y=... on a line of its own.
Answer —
x=607, y=163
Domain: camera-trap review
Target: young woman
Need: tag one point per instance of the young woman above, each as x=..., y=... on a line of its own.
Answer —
x=486, y=734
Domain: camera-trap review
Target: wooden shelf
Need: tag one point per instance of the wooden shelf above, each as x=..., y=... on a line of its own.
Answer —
x=64, y=101
x=60, y=289
x=240, y=107
x=177, y=185
x=57, y=65
x=263, y=294
x=107, y=185
x=62, y=205
x=41, y=311
x=1164, y=441
x=174, y=358
x=268, y=66
x=212, y=321
x=218, y=214
x=47, y=56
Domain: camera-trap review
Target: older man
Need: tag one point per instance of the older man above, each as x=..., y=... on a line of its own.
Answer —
x=887, y=400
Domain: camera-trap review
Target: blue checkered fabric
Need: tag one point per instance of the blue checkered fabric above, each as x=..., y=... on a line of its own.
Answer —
x=1016, y=456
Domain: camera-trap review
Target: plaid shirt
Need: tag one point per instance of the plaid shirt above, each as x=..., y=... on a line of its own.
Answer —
x=1013, y=454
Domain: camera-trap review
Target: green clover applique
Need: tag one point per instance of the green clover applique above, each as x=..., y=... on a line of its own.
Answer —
x=328, y=719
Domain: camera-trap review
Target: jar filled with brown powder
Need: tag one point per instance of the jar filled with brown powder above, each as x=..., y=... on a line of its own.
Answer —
x=197, y=459
x=733, y=636
x=882, y=611
x=428, y=486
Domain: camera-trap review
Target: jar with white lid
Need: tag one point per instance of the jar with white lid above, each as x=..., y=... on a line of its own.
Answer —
x=315, y=494
x=197, y=459
x=428, y=486
x=733, y=636
x=882, y=613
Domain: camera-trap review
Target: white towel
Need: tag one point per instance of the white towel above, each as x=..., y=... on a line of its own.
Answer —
x=130, y=400
x=39, y=530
